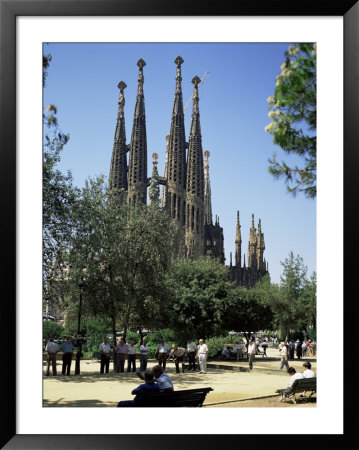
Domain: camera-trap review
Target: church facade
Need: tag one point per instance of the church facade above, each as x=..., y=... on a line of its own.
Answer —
x=186, y=189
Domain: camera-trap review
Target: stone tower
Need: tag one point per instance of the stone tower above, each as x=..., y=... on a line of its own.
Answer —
x=194, y=234
x=238, y=243
x=252, y=246
x=154, y=190
x=118, y=168
x=137, y=169
x=213, y=234
x=207, y=191
x=176, y=157
x=186, y=187
x=260, y=248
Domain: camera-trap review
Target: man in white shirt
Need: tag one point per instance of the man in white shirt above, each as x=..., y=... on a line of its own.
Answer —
x=161, y=378
x=51, y=348
x=131, y=356
x=121, y=353
x=308, y=373
x=251, y=353
x=202, y=356
x=143, y=356
x=162, y=352
x=105, y=348
x=284, y=357
x=294, y=376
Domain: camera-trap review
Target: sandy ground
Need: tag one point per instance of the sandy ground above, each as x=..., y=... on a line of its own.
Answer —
x=235, y=386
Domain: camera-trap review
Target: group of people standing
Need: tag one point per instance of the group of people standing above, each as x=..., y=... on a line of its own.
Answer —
x=123, y=351
x=197, y=355
x=52, y=348
x=289, y=350
x=127, y=351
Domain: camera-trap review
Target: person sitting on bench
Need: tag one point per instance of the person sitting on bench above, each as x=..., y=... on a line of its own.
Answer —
x=161, y=378
x=294, y=376
x=142, y=390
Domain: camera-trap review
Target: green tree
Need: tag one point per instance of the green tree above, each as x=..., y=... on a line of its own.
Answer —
x=199, y=291
x=120, y=255
x=293, y=113
x=248, y=311
x=51, y=330
x=293, y=301
x=58, y=196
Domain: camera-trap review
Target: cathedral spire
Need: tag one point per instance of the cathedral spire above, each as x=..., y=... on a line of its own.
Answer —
x=137, y=170
x=207, y=192
x=195, y=183
x=252, y=246
x=176, y=166
x=238, y=243
x=118, y=169
x=260, y=248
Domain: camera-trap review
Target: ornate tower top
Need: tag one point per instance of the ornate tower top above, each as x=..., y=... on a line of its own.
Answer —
x=121, y=101
x=176, y=165
x=137, y=169
x=118, y=168
x=141, y=64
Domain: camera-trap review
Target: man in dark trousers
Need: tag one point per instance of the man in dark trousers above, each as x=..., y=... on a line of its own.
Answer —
x=68, y=349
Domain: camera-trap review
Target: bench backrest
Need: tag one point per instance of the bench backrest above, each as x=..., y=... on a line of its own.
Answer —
x=189, y=397
x=305, y=384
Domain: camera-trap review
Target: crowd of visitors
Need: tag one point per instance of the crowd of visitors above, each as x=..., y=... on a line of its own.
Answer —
x=195, y=354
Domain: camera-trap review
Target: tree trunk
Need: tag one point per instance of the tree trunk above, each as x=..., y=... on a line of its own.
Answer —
x=114, y=340
x=141, y=336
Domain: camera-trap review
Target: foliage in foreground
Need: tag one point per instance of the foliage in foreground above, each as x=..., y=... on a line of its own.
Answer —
x=293, y=113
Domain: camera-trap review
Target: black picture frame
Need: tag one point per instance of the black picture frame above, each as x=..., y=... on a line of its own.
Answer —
x=9, y=10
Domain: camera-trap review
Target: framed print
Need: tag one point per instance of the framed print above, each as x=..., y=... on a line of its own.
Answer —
x=25, y=28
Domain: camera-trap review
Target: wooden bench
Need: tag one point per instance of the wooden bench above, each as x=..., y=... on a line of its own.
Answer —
x=301, y=385
x=185, y=398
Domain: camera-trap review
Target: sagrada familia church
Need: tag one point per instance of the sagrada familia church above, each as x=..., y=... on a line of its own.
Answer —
x=186, y=190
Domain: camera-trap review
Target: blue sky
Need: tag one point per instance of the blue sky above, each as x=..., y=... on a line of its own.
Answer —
x=82, y=83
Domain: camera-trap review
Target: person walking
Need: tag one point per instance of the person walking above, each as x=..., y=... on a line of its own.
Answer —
x=120, y=355
x=251, y=351
x=131, y=356
x=162, y=352
x=144, y=349
x=264, y=347
x=51, y=348
x=105, y=349
x=68, y=349
x=283, y=356
x=191, y=353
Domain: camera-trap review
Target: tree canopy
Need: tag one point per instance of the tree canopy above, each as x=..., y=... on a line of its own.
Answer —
x=199, y=291
x=292, y=109
x=293, y=301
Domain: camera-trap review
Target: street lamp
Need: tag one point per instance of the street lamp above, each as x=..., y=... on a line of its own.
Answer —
x=81, y=286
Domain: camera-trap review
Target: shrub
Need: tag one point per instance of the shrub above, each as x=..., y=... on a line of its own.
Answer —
x=217, y=344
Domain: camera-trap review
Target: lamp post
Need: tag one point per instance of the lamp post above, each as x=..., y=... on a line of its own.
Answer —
x=81, y=285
